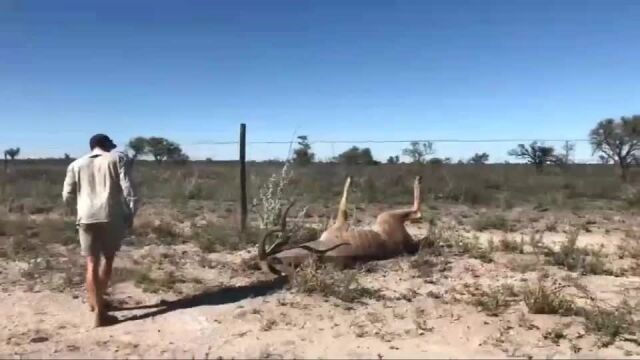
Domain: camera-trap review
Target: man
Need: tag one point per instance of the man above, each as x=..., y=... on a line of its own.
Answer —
x=106, y=205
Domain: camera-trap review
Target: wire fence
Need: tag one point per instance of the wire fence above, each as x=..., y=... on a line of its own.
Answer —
x=326, y=149
x=453, y=149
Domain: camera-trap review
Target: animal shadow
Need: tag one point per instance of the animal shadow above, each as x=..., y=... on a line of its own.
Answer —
x=218, y=296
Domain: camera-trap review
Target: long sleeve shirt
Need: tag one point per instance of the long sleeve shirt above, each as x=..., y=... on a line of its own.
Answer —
x=100, y=182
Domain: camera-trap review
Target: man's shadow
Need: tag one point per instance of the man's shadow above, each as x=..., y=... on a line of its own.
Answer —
x=220, y=296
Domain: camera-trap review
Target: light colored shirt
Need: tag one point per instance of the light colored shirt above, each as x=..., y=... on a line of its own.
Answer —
x=100, y=182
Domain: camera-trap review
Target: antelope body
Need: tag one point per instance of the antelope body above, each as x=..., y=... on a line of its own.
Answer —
x=344, y=245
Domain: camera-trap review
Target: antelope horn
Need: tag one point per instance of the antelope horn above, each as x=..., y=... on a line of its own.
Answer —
x=283, y=220
x=320, y=251
x=264, y=254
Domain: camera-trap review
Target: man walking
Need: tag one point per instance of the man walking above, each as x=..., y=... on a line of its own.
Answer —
x=106, y=205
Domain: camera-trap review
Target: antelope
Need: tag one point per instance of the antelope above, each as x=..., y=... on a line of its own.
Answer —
x=342, y=244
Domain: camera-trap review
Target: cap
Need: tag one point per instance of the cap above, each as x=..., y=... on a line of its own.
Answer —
x=102, y=141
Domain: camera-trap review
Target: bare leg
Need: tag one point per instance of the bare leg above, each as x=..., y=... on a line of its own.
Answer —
x=414, y=212
x=105, y=272
x=341, y=220
x=94, y=288
x=105, y=276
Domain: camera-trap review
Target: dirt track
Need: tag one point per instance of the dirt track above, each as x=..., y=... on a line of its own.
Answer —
x=232, y=312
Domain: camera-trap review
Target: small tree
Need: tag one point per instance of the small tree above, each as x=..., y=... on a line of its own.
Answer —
x=393, y=159
x=439, y=161
x=537, y=155
x=568, y=149
x=356, y=156
x=138, y=146
x=617, y=140
x=604, y=160
x=479, y=159
x=163, y=149
x=302, y=155
x=419, y=152
x=12, y=153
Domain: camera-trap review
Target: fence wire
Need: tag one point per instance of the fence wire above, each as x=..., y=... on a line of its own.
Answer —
x=326, y=149
x=453, y=149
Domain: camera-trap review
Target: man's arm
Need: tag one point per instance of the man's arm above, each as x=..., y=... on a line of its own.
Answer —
x=70, y=186
x=128, y=190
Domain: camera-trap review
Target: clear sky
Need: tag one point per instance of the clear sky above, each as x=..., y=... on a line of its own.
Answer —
x=333, y=70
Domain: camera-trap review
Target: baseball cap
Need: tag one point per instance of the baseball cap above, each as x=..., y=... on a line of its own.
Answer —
x=102, y=141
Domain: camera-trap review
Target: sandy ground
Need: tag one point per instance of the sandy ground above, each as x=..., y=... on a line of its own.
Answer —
x=235, y=313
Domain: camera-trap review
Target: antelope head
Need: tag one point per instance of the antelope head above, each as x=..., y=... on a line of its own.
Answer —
x=268, y=255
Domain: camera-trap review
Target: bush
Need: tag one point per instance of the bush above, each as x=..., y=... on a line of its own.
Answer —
x=510, y=245
x=325, y=280
x=496, y=301
x=609, y=324
x=540, y=299
x=575, y=258
x=162, y=232
x=473, y=248
x=167, y=282
x=491, y=221
x=58, y=231
x=213, y=237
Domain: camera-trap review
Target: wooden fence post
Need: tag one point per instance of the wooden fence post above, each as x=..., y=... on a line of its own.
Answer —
x=243, y=178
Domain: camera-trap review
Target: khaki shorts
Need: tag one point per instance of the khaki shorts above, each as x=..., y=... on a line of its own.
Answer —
x=103, y=238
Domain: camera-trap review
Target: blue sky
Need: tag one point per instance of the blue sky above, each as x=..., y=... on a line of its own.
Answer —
x=334, y=70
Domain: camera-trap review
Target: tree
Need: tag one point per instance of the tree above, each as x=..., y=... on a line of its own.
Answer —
x=393, y=159
x=356, y=156
x=12, y=153
x=537, y=155
x=479, y=159
x=302, y=155
x=439, y=161
x=617, y=140
x=163, y=149
x=568, y=148
x=418, y=152
x=180, y=158
x=138, y=146
x=604, y=160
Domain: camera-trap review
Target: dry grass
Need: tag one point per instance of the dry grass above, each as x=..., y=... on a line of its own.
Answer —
x=166, y=282
x=23, y=238
x=155, y=231
x=216, y=236
x=523, y=264
x=612, y=324
x=508, y=244
x=556, y=334
x=473, y=248
x=541, y=299
x=497, y=300
x=501, y=186
x=575, y=258
x=314, y=278
x=57, y=231
x=630, y=246
x=491, y=221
